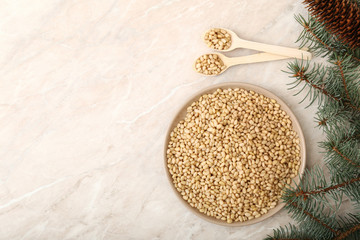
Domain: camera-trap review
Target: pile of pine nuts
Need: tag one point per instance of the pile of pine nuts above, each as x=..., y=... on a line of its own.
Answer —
x=218, y=39
x=209, y=64
x=233, y=154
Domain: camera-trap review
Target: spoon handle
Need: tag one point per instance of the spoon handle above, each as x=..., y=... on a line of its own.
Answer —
x=258, y=57
x=285, y=51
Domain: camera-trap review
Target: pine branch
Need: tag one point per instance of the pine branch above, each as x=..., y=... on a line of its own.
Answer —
x=342, y=148
x=324, y=81
x=343, y=78
x=314, y=218
x=352, y=106
x=333, y=115
x=349, y=227
x=348, y=73
x=356, y=58
x=309, y=30
x=314, y=187
x=303, y=77
x=315, y=37
x=321, y=42
x=315, y=201
x=305, y=195
x=314, y=78
x=344, y=167
x=348, y=232
x=289, y=232
x=346, y=228
x=344, y=157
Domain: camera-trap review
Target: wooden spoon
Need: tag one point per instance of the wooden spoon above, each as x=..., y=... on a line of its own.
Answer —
x=254, y=58
x=237, y=42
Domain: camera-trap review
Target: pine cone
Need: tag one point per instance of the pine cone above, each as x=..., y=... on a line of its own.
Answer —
x=340, y=17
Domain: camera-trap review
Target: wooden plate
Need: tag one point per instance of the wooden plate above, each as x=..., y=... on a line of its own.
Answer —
x=181, y=115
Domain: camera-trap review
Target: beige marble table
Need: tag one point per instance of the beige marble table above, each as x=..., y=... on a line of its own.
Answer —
x=87, y=90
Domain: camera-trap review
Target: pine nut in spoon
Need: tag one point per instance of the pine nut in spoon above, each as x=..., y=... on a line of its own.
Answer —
x=217, y=39
x=217, y=63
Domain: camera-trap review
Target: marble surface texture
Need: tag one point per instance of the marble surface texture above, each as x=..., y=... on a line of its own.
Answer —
x=87, y=91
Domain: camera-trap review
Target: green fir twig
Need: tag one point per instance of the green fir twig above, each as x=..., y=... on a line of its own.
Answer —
x=335, y=85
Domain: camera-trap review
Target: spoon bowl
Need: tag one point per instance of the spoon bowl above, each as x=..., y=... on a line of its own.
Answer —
x=222, y=57
x=233, y=36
